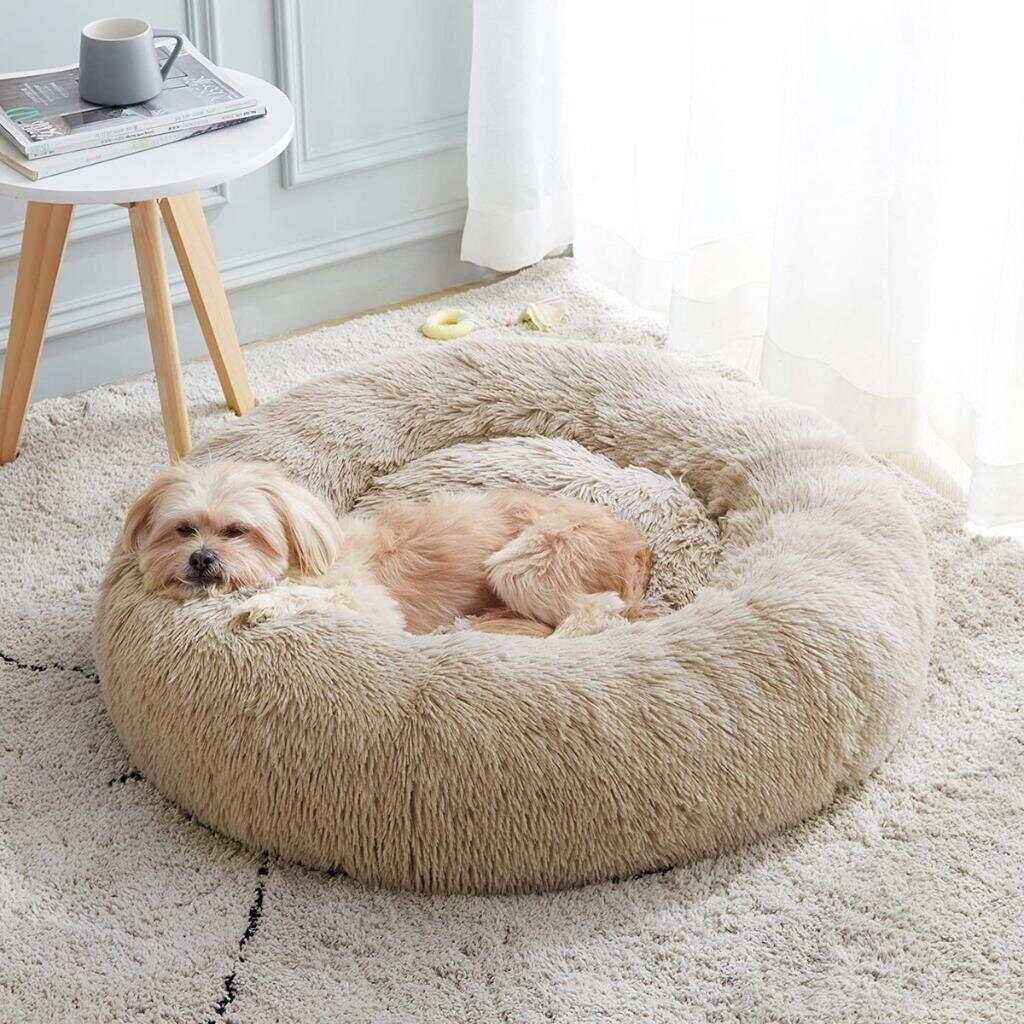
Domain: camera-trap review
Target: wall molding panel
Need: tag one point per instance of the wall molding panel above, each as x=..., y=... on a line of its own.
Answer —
x=117, y=304
x=304, y=162
x=202, y=26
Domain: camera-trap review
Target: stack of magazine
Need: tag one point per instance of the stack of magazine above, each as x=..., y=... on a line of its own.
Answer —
x=46, y=128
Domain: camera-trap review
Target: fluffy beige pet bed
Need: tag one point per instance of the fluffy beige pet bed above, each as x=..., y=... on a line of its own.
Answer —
x=476, y=763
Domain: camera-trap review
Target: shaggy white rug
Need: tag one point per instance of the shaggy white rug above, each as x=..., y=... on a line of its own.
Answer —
x=901, y=903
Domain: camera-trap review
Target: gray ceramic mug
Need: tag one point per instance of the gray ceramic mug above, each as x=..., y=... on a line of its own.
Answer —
x=118, y=65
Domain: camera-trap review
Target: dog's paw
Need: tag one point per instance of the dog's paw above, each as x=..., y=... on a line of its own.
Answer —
x=256, y=610
x=593, y=613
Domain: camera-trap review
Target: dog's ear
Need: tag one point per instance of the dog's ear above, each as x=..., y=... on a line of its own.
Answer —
x=139, y=517
x=311, y=528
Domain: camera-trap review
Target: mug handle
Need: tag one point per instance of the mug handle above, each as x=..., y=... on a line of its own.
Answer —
x=166, y=33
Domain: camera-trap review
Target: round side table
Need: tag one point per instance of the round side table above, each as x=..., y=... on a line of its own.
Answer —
x=163, y=181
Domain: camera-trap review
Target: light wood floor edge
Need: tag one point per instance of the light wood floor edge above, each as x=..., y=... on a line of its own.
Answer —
x=390, y=307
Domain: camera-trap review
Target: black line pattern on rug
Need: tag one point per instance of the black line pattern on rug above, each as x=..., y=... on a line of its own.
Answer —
x=651, y=872
x=29, y=666
x=251, y=928
x=133, y=776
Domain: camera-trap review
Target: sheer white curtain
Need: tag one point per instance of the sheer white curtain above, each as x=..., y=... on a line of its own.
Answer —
x=520, y=205
x=829, y=193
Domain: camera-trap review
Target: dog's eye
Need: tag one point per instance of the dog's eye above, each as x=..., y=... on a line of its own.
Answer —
x=234, y=530
x=186, y=530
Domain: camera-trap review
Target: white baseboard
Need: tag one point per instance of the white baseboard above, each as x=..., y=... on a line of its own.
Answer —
x=117, y=304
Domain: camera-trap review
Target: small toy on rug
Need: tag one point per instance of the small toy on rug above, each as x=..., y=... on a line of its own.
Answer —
x=449, y=324
x=542, y=316
x=446, y=325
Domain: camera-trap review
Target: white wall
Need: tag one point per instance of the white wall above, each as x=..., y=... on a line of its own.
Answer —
x=365, y=208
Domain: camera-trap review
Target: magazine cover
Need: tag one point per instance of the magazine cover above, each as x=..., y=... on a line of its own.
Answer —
x=43, y=113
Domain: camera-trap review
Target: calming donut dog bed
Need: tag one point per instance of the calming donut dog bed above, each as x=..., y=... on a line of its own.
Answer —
x=469, y=762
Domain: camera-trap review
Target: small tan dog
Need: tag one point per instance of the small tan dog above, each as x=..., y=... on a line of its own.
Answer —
x=526, y=563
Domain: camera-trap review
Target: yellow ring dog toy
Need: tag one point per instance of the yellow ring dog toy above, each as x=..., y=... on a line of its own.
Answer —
x=447, y=324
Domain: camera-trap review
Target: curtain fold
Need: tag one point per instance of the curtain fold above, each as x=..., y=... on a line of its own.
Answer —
x=828, y=194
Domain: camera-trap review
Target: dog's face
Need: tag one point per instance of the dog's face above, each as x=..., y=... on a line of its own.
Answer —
x=228, y=525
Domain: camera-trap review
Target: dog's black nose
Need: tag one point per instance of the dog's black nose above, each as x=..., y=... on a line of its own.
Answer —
x=202, y=560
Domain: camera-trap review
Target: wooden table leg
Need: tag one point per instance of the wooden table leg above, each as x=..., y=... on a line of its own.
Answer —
x=42, y=249
x=149, y=254
x=190, y=236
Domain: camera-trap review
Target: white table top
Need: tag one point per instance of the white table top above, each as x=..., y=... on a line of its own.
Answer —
x=170, y=170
